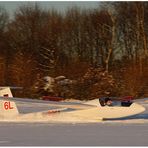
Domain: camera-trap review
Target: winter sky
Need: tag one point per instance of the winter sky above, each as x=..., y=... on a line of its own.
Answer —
x=61, y=6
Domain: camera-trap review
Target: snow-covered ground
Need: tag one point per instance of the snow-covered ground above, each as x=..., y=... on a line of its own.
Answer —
x=131, y=131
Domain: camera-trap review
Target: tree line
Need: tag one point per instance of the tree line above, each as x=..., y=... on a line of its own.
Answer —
x=104, y=49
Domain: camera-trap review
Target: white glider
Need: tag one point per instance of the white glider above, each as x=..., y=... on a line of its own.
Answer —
x=94, y=109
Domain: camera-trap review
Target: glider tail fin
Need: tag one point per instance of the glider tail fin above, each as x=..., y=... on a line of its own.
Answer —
x=8, y=109
x=5, y=92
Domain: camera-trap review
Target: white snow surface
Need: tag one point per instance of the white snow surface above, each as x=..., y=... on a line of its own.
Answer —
x=131, y=131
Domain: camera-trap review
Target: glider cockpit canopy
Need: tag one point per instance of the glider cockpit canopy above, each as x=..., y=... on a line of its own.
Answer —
x=115, y=101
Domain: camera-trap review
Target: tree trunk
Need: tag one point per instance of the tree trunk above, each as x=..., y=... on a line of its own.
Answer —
x=112, y=43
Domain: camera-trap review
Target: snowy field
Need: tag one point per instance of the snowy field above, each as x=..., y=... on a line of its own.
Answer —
x=126, y=132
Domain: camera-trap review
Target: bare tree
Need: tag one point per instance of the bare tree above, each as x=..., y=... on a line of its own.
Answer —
x=3, y=46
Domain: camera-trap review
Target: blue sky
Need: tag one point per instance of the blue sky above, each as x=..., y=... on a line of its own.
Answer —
x=11, y=6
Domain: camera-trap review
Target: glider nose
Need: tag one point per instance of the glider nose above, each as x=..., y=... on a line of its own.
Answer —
x=139, y=107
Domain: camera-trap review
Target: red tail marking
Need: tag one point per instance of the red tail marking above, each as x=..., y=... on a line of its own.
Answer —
x=7, y=105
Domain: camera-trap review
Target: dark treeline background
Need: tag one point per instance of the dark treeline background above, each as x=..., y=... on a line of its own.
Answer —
x=104, y=50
